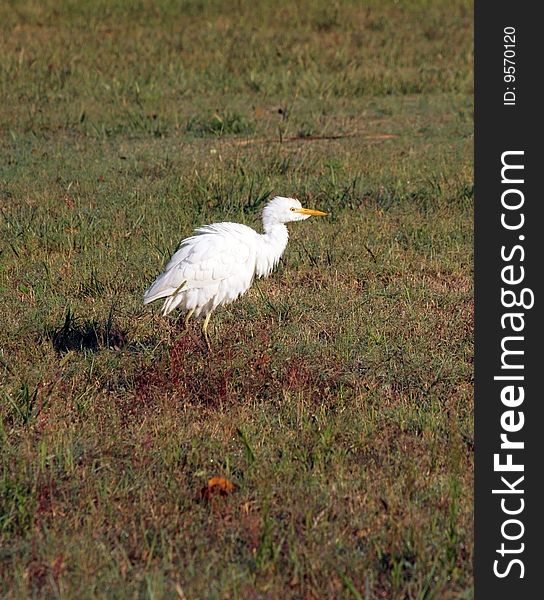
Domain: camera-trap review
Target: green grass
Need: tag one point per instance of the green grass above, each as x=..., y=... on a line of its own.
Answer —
x=338, y=396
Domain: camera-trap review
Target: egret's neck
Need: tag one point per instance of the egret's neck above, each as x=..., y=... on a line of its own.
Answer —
x=273, y=243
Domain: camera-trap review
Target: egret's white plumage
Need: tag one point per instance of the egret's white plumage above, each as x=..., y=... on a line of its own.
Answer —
x=218, y=262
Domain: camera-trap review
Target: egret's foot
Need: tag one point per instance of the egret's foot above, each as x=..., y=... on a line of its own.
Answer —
x=187, y=317
x=205, y=332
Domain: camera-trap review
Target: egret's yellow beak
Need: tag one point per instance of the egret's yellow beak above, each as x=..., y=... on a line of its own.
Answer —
x=310, y=212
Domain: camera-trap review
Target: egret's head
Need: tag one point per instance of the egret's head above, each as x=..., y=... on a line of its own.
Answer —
x=284, y=210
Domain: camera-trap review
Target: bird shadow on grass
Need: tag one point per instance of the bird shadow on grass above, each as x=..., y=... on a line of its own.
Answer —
x=89, y=335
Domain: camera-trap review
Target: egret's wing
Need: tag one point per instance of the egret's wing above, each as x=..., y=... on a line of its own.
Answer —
x=214, y=253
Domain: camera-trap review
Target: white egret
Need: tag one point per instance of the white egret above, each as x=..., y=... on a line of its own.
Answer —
x=218, y=262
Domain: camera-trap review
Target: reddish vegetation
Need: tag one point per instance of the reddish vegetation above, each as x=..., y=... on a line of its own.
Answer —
x=191, y=374
x=45, y=497
x=39, y=572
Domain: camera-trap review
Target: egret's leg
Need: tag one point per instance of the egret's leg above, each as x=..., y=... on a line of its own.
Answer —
x=205, y=330
x=187, y=317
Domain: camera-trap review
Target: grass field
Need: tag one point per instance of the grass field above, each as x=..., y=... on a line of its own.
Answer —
x=338, y=395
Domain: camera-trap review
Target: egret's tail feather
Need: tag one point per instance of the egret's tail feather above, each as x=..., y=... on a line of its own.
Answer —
x=161, y=289
x=171, y=303
x=151, y=295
